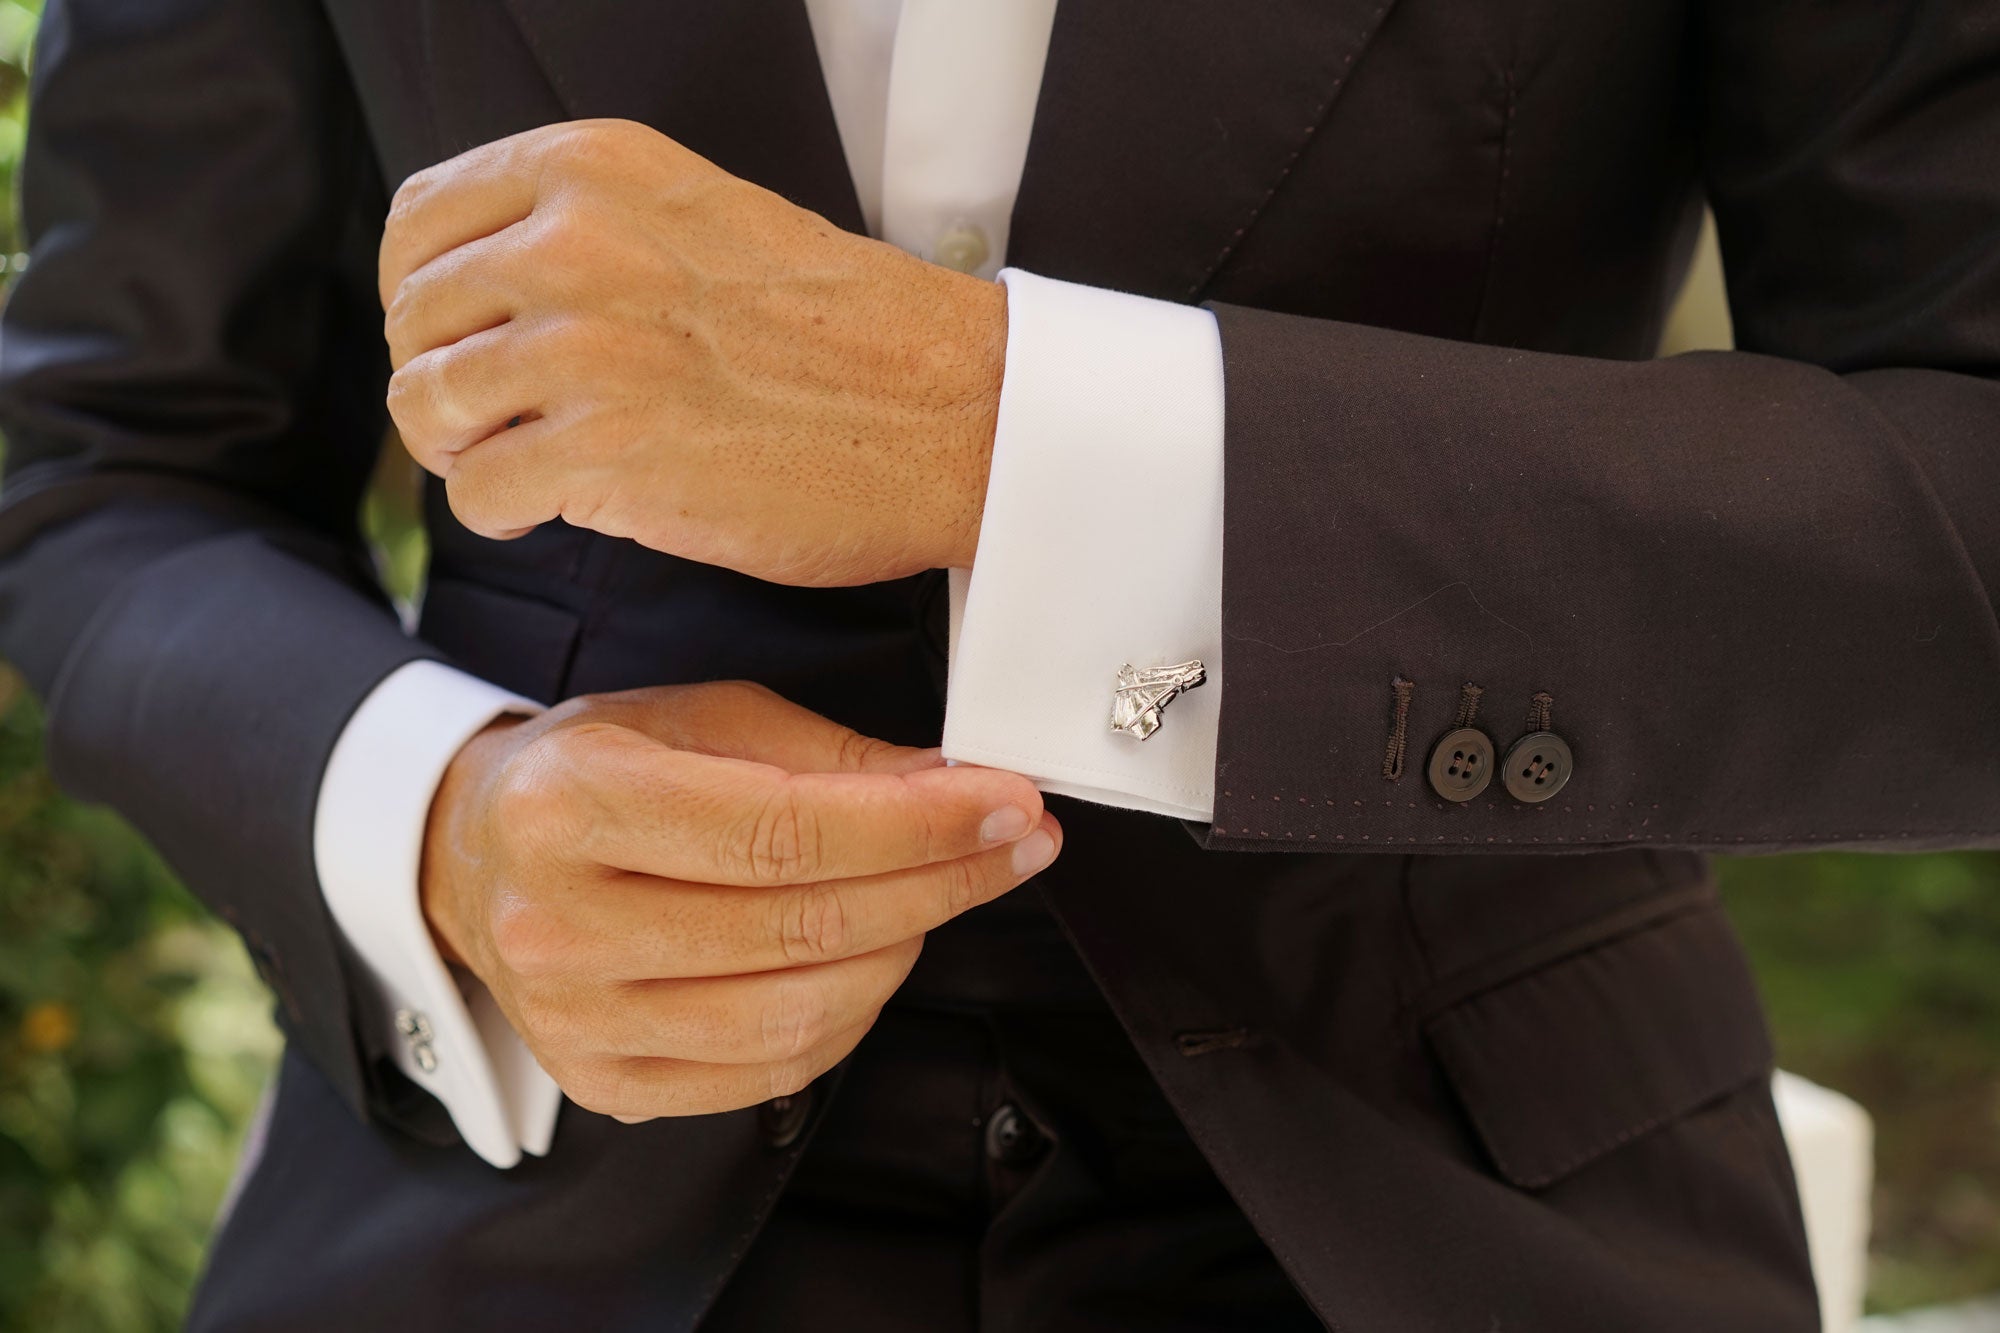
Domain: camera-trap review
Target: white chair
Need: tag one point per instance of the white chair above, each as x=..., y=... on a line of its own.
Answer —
x=1832, y=1142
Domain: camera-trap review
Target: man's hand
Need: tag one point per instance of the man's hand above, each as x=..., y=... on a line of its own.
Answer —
x=590, y=322
x=694, y=898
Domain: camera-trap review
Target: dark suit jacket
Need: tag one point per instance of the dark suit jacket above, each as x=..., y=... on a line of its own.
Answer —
x=1509, y=1089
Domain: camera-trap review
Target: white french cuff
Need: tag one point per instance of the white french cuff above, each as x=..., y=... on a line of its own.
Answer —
x=368, y=835
x=1100, y=545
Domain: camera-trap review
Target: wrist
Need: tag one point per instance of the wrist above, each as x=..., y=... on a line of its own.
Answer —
x=979, y=338
x=448, y=849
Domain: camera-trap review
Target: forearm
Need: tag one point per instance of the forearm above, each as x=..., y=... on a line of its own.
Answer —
x=197, y=675
x=190, y=386
x=1758, y=593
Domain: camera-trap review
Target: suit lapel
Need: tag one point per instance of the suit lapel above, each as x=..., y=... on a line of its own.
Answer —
x=738, y=83
x=1165, y=126
x=1162, y=129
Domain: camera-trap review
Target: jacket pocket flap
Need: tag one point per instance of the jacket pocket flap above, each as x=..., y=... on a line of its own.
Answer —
x=1558, y=1067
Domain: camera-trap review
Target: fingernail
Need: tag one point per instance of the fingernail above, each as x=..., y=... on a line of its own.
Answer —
x=1005, y=824
x=1033, y=852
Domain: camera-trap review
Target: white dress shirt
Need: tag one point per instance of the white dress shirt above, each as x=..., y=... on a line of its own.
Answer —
x=1108, y=452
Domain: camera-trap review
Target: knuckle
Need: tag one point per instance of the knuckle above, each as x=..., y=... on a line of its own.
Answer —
x=932, y=838
x=412, y=293
x=548, y=1026
x=562, y=231
x=794, y=1021
x=422, y=393
x=591, y=509
x=588, y=142
x=455, y=372
x=856, y=751
x=590, y=765
x=601, y=1086
x=534, y=945
x=477, y=501
x=570, y=339
x=783, y=845
x=633, y=1086
x=531, y=795
x=565, y=1067
x=396, y=320
x=747, y=690
x=578, y=270
x=814, y=926
x=622, y=133
x=405, y=396
x=789, y=1078
x=576, y=141
x=411, y=194
x=568, y=757
x=964, y=887
x=574, y=747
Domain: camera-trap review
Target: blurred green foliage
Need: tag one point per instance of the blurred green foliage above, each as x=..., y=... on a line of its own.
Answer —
x=1882, y=975
x=134, y=1037
x=133, y=1044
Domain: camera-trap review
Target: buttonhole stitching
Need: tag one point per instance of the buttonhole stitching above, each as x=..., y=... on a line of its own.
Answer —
x=1468, y=703
x=1540, y=710
x=1194, y=1044
x=1399, y=728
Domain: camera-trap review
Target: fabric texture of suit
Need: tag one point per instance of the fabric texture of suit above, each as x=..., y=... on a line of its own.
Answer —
x=1507, y=1087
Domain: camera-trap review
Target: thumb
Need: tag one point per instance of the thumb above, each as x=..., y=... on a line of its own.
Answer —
x=739, y=719
x=746, y=721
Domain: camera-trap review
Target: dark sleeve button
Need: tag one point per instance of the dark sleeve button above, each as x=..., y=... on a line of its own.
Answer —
x=783, y=1119
x=1537, y=766
x=1462, y=764
x=1012, y=1139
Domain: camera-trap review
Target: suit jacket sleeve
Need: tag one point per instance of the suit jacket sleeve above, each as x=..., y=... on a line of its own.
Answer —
x=1758, y=585
x=190, y=381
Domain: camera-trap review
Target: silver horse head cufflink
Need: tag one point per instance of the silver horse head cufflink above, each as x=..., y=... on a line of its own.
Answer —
x=1144, y=692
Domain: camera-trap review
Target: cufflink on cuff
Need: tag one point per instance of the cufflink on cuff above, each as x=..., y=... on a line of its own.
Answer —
x=416, y=1030
x=1144, y=692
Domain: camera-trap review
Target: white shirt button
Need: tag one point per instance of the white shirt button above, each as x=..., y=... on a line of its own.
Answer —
x=963, y=247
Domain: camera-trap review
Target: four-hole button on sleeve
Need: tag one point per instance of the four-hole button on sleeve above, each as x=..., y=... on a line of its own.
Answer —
x=1536, y=767
x=1461, y=764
